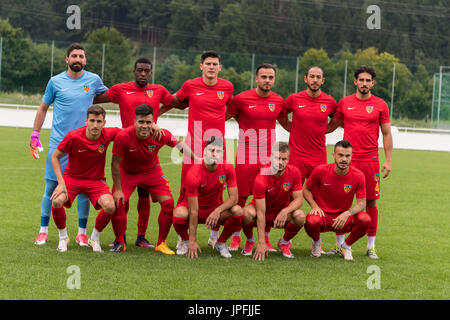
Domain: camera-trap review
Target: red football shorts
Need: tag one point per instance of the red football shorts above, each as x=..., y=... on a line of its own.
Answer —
x=371, y=170
x=245, y=178
x=305, y=167
x=155, y=182
x=203, y=212
x=270, y=215
x=93, y=189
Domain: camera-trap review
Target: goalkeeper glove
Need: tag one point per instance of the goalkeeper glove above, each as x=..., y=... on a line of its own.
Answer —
x=35, y=144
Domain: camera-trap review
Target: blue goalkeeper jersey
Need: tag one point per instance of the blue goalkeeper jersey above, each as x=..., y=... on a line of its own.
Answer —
x=71, y=98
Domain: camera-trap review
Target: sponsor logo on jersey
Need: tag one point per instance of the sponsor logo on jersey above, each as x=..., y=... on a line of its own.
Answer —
x=86, y=89
x=222, y=179
x=101, y=148
x=150, y=93
x=220, y=94
x=323, y=107
x=271, y=107
x=286, y=186
x=152, y=148
x=369, y=109
x=347, y=188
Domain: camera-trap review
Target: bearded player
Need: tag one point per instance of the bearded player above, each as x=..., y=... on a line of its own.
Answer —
x=363, y=115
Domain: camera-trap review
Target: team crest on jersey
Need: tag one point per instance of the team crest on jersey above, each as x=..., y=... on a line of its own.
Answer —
x=222, y=179
x=220, y=94
x=152, y=148
x=347, y=188
x=101, y=148
x=323, y=107
x=286, y=186
x=369, y=109
x=150, y=93
x=86, y=89
x=271, y=107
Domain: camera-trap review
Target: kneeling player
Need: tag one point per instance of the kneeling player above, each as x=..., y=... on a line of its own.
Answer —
x=203, y=203
x=271, y=204
x=85, y=171
x=329, y=191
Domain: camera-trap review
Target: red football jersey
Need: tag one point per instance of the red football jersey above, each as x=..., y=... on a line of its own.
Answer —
x=207, y=185
x=128, y=95
x=362, y=120
x=277, y=190
x=309, y=125
x=333, y=193
x=140, y=156
x=207, y=106
x=86, y=157
x=257, y=122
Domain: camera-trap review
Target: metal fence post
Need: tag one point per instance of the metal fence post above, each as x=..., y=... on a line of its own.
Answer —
x=154, y=65
x=392, y=93
x=1, y=58
x=432, y=99
x=296, y=74
x=252, y=79
x=52, y=58
x=345, y=78
x=439, y=96
x=103, y=59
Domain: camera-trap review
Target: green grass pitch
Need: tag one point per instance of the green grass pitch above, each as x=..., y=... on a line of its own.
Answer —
x=412, y=243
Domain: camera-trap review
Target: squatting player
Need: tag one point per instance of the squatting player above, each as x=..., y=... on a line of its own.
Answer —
x=135, y=164
x=256, y=111
x=85, y=172
x=71, y=93
x=203, y=203
x=128, y=96
x=363, y=115
x=330, y=190
x=274, y=187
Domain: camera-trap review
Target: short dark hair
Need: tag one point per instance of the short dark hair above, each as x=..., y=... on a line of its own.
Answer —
x=313, y=67
x=96, y=110
x=265, y=66
x=143, y=110
x=75, y=46
x=210, y=54
x=343, y=144
x=215, y=141
x=365, y=69
x=281, y=147
x=143, y=60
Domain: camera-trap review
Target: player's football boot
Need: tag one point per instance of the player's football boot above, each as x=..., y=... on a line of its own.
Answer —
x=316, y=249
x=95, y=245
x=212, y=242
x=143, y=243
x=371, y=253
x=115, y=242
x=248, y=248
x=347, y=253
x=285, y=249
x=82, y=240
x=62, y=245
x=182, y=247
x=235, y=243
x=41, y=239
x=178, y=243
x=118, y=247
x=270, y=248
x=223, y=249
x=163, y=248
x=335, y=250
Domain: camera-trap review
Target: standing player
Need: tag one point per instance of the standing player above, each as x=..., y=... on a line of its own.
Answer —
x=85, y=172
x=128, y=96
x=334, y=186
x=135, y=163
x=71, y=93
x=256, y=111
x=311, y=109
x=272, y=204
x=203, y=201
x=363, y=115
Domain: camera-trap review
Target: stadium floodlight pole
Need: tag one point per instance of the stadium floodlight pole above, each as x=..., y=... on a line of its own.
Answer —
x=103, y=59
x=439, y=96
x=432, y=99
x=253, y=69
x=345, y=78
x=392, y=93
x=296, y=74
x=53, y=57
x=154, y=65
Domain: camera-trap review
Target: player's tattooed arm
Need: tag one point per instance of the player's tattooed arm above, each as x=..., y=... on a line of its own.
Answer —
x=334, y=124
x=101, y=98
x=285, y=123
x=315, y=209
x=340, y=220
